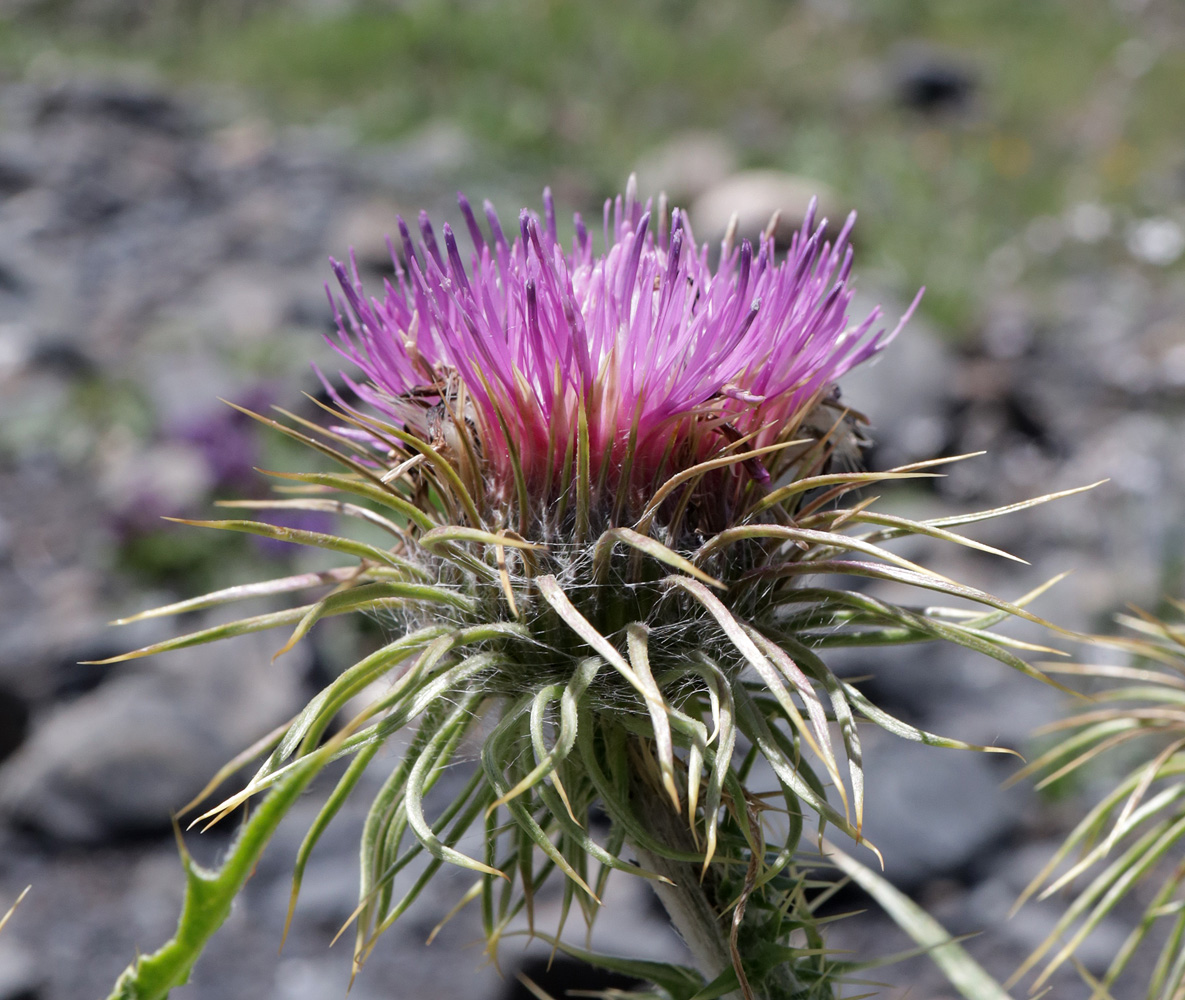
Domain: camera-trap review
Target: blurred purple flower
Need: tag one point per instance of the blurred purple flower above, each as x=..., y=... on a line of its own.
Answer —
x=228, y=442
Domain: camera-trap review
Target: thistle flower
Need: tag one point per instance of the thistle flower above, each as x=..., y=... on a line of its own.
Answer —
x=660, y=361
x=606, y=480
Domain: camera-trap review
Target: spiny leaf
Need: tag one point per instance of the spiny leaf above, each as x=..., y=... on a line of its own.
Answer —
x=848, y=479
x=1012, y=508
x=461, y=533
x=617, y=799
x=241, y=627
x=748, y=649
x=568, y=696
x=892, y=724
x=1089, y=826
x=439, y=464
x=415, y=789
x=724, y=717
x=926, y=581
x=908, y=526
x=493, y=760
x=702, y=469
x=964, y=973
x=473, y=804
x=1123, y=825
x=245, y=591
x=324, y=449
x=790, y=771
x=299, y=536
x=656, y=705
x=1132, y=866
x=809, y=538
x=843, y=715
x=232, y=766
x=554, y=594
x=12, y=909
x=371, y=597
x=322, y=505
x=382, y=494
x=325, y=816
x=679, y=981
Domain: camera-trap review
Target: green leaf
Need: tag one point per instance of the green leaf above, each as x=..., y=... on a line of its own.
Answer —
x=371, y=597
x=681, y=982
x=926, y=581
x=243, y=626
x=450, y=730
x=905, y=731
x=702, y=469
x=850, y=479
x=965, y=974
x=381, y=493
x=745, y=645
x=298, y=536
x=245, y=591
x=461, y=533
x=323, y=505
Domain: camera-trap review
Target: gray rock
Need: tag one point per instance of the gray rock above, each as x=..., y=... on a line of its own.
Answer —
x=933, y=812
x=993, y=901
x=686, y=165
x=422, y=161
x=932, y=80
x=904, y=391
x=122, y=759
x=20, y=976
x=755, y=195
x=364, y=230
x=14, y=721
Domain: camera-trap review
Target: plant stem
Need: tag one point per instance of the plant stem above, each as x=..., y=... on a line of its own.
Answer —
x=690, y=898
x=699, y=909
x=691, y=913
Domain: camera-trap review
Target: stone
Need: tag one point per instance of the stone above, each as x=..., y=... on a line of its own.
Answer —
x=364, y=230
x=905, y=390
x=423, y=160
x=686, y=165
x=14, y=721
x=755, y=195
x=932, y=80
x=122, y=759
x=934, y=813
x=161, y=480
x=20, y=975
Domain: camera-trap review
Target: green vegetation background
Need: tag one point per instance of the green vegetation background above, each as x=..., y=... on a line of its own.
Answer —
x=1078, y=100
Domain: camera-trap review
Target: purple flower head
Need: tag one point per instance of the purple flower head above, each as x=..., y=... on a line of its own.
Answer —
x=666, y=361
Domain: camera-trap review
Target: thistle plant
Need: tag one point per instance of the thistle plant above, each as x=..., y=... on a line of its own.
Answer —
x=1133, y=838
x=615, y=492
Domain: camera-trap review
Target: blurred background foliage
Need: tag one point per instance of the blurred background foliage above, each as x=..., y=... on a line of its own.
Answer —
x=1040, y=119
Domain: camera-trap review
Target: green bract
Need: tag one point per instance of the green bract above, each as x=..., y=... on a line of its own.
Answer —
x=1134, y=835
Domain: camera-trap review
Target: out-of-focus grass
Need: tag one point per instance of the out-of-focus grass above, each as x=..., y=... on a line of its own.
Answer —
x=1078, y=100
